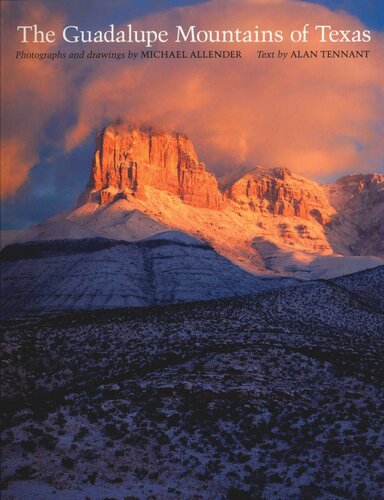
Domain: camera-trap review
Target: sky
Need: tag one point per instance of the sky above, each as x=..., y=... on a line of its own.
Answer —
x=320, y=118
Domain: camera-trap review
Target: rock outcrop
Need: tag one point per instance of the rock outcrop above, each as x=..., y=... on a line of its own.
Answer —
x=129, y=158
x=358, y=225
x=279, y=192
x=357, y=192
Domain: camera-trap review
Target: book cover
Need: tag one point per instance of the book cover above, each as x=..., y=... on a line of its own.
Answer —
x=192, y=249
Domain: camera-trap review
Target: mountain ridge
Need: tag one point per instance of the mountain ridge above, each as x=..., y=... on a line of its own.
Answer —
x=265, y=220
x=128, y=158
x=98, y=273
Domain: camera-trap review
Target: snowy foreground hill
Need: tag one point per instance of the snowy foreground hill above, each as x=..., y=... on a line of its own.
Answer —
x=98, y=273
x=277, y=395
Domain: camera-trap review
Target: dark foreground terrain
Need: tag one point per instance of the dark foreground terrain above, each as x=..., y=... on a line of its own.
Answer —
x=279, y=395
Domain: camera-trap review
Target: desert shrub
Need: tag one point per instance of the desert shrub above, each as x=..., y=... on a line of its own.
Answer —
x=275, y=478
x=310, y=491
x=111, y=431
x=29, y=445
x=116, y=480
x=92, y=477
x=35, y=431
x=48, y=441
x=243, y=457
x=68, y=462
x=60, y=419
x=234, y=493
x=9, y=437
x=140, y=473
x=92, y=416
x=83, y=431
x=25, y=472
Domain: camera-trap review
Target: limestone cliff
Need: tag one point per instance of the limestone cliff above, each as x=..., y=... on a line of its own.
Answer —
x=278, y=192
x=358, y=226
x=129, y=158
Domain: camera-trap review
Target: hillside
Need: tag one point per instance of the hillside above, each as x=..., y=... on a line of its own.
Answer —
x=269, y=395
x=59, y=275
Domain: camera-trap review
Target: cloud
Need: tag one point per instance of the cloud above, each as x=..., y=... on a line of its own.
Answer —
x=318, y=117
x=33, y=91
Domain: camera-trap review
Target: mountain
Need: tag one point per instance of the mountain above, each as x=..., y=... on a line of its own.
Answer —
x=357, y=227
x=266, y=220
x=278, y=192
x=85, y=274
x=128, y=158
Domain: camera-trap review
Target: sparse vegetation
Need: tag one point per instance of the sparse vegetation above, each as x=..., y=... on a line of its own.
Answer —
x=237, y=398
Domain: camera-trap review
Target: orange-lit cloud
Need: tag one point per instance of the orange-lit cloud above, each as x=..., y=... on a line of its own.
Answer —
x=32, y=92
x=318, y=117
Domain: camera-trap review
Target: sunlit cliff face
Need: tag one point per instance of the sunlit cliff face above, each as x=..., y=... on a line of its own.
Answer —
x=318, y=117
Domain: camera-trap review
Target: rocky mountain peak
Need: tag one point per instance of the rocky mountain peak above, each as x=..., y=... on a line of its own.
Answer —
x=350, y=190
x=359, y=202
x=279, y=192
x=273, y=172
x=129, y=158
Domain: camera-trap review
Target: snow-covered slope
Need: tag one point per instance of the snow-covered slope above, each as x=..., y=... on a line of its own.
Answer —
x=111, y=221
x=58, y=227
x=42, y=277
x=309, y=265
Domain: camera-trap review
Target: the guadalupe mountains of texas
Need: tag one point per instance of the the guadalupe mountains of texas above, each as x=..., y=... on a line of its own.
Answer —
x=153, y=226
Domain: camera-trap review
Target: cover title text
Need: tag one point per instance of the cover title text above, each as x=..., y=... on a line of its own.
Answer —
x=191, y=34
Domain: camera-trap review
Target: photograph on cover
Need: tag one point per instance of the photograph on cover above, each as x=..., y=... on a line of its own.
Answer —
x=192, y=249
